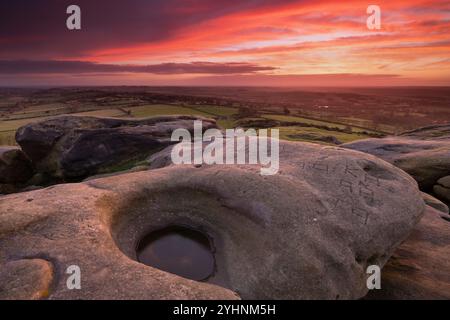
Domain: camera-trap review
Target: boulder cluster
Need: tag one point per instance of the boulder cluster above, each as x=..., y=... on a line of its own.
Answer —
x=423, y=153
x=71, y=148
x=308, y=232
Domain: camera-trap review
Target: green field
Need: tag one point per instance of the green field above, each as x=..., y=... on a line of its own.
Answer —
x=8, y=127
x=160, y=109
x=315, y=122
x=302, y=120
x=216, y=110
x=369, y=123
x=107, y=113
x=7, y=138
x=311, y=134
x=226, y=123
x=306, y=129
x=152, y=110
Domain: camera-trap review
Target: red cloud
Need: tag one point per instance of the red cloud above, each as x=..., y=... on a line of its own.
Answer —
x=276, y=37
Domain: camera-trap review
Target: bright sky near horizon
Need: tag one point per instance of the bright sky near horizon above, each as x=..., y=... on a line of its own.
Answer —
x=218, y=42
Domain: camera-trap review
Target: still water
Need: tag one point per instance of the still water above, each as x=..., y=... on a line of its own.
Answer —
x=178, y=250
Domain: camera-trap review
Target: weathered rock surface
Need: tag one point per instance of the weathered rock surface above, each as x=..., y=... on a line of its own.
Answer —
x=435, y=203
x=423, y=153
x=73, y=147
x=442, y=188
x=308, y=232
x=419, y=268
x=26, y=279
x=15, y=167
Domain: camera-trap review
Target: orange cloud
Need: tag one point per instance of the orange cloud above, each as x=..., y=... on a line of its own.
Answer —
x=298, y=38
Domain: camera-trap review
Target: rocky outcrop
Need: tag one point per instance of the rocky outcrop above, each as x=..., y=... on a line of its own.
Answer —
x=73, y=147
x=15, y=167
x=442, y=188
x=436, y=132
x=308, y=232
x=435, y=203
x=419, y=267
x=423, y=153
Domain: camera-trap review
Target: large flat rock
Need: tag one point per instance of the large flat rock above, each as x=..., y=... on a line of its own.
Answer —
x=308, y=232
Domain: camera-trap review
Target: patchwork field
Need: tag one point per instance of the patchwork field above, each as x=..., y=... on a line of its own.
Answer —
x=314, y=116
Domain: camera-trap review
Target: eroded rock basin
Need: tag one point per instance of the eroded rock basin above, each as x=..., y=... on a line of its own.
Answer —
x=179, y=250
x=308, y=232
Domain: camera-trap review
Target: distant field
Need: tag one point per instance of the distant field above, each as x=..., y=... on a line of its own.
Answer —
x=367, y=123
x=8, y=127
x=302, y=120
x=304, y=128
x=226, y=123
x=11, y=125
x=7, y=138
x=112, y=113
x=392, y=110
x=159, y=109
x=315, y=122
x=311, y=134
x=216, y=110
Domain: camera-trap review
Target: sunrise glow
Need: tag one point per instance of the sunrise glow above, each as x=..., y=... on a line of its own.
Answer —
x=284, y=43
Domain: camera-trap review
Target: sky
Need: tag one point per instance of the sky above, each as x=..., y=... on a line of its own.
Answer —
x=225, y=43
